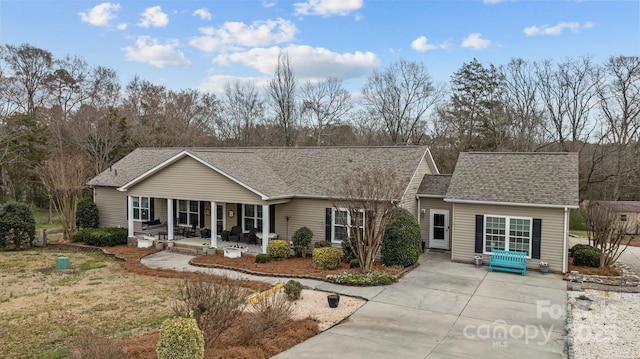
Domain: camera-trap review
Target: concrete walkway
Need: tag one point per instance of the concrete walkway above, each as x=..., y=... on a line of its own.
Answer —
x=439, y=310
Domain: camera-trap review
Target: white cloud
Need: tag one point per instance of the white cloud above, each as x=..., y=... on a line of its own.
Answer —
x=421, y=44
x=122, y=26
x=327, y=7
x=154, y=17
x=237, y=35
x=100, y=15
x=268, y=4
x=307, y=62
x=203, y=13
x=475, y=40
x=557, y=29
x=492, y=2
x=217, y=83
x=151, y=51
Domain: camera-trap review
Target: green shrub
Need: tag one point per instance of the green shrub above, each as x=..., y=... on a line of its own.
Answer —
x=322, y=244
x=402, y=242
x=101, y=237
x=302, y=240
x=354, y=263
x=292, y=289
x=578, y=246
x=589, y=257
x=17, y=225
x=326, y=258
x=180, y=338
x=263, y=258
x=278, y=250
x=87, y=214
x=362, y=279
x=347, y=252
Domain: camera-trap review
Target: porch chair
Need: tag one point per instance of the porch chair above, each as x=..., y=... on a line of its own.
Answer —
x=251, y=237
x=236, y=234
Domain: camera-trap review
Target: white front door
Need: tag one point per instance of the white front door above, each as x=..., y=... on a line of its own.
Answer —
x=439, y=228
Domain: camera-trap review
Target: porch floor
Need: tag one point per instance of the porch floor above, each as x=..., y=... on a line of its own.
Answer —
x=197, y=242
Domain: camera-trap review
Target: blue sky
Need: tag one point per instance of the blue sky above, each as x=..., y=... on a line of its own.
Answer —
x=204, y=44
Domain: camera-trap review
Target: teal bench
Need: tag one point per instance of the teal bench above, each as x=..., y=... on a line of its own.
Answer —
x=508, y=261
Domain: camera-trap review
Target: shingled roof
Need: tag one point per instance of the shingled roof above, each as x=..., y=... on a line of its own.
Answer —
x=274, y=172
x=539, y=179
x=434, y=186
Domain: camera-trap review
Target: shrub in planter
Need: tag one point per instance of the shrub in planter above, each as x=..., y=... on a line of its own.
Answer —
x=87, y=214
x=302, y=240
x=263, y=258
x=402, y=242
x=578, y=246
x=292, y=289
x=347, y=252
x=326, y=258
x=589, y=257
x=321, y=244
x=278, y=250
x=180, y=338
x=354, y=263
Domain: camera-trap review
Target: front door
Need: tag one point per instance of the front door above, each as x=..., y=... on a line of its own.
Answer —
x=439, y=228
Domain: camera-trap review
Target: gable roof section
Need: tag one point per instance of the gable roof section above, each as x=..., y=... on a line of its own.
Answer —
x=434, y=186
x=272, y=172
x=529, y=179
x=622, y=206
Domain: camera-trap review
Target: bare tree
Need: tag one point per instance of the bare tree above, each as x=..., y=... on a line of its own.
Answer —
x=281, y=91
x=326, y=103
x=243, y=110
x=364, y=204
x=607, y=232
x=400, y=97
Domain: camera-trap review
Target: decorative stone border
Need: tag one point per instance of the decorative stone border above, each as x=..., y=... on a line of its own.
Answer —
x=628, y=281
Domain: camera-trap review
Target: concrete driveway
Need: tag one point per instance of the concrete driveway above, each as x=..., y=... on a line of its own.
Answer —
x=451, y=310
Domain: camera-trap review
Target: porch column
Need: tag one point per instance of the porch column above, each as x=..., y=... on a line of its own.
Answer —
x=214, y=224
x=129, y=216
x=171, y=218
x=265, y=227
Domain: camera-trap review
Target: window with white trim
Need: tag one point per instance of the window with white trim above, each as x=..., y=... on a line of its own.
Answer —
x=623, y=217
x=219, y=218
x=252, y=217
x=507, y=233
x=188, y=213
x=341, y=224
x=141, y=208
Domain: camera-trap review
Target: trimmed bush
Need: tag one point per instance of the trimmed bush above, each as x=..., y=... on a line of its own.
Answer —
x=17, y=225
x=180, y=338
x=347, y=252
x=326, y=258
x=292, y=289
x=278, y=250
x=101, y=237
x=302, y=240
x=354, y=263
x=578, y=246
x=589, y=257
x=402, y=243
x=263, y=258
x=87, y=214
x=322, y=244
x=362, y=279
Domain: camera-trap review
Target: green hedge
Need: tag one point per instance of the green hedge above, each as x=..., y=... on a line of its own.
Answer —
x=589, y=257
x=321, y=244
x=180, y=338
x=278, y=250
x=326, y=258
x=362, y=279
x=402, y=243
x=578, y=246
x=263, y=258
x=101, y=237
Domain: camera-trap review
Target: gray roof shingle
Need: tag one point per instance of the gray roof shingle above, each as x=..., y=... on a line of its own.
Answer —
x=539, y=178
x=622, y=206
x=434, y=185
x=276, y=172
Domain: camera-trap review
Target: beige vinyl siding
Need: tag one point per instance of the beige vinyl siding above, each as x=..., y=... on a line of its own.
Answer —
x=302, y=213
x=464, y=227
x=409, y=201
x=112, y=206
x=632, y=223
x=190, y=179
x=433, y=203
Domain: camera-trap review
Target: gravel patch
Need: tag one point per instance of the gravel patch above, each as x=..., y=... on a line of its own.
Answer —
x=604, y=324
x=314, y=304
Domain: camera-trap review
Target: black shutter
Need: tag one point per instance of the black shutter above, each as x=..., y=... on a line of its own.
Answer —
x=201, y=219
x=176, y=216
x=272, y=218
x=536, y=236
x=127, y=207
x=327, y=224
x=151, y=209
x=479, y=232
x=239, y=214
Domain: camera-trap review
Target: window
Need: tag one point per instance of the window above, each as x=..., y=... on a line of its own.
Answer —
x=623, y=218
x=188, y=213
x=341, y=224
x=507, y=233
x=141, y=208
x=252, y=217
x=219, y=218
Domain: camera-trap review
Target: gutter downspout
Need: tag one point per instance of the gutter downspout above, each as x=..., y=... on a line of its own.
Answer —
x=565, y=249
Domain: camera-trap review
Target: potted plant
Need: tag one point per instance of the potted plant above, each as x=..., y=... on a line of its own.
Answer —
x=225, y=235
x=576, y=284
x=477, y=259
x=159, y=244
x=205, y=232
x=205, y=246
x=544, y=267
